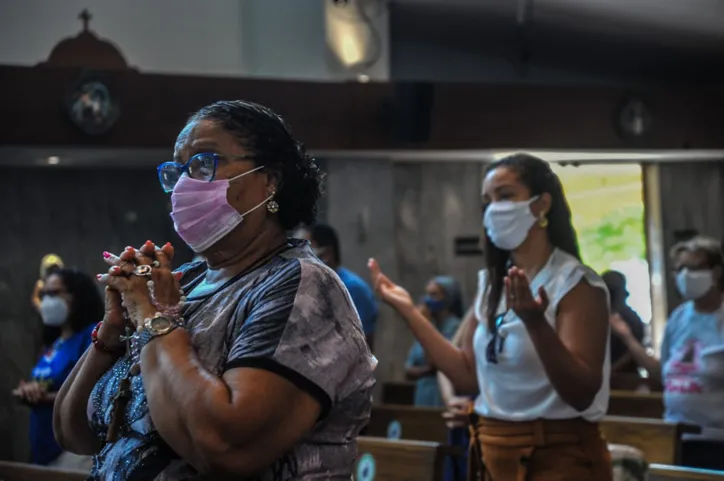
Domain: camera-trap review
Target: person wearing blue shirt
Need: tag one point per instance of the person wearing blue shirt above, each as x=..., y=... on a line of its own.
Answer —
x=325, y=243
x=442, y=305
x=69, y=300
x=691, y=367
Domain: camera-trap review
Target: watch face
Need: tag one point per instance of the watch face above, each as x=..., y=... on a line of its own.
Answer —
x=160, y=324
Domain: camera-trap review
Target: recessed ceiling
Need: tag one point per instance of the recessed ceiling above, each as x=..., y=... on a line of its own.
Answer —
x=656, y=40
x=696, y=21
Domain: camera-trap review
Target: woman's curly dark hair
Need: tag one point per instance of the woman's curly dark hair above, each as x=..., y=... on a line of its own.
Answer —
x=87, y=306
x=269, y=138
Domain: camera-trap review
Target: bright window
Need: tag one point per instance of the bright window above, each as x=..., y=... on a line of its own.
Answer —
x=608, y=213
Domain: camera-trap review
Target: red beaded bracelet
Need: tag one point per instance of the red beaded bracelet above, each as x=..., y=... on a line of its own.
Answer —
x=100, y=345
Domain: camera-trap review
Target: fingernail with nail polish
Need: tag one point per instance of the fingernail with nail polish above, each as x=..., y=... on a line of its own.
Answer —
x=106, y=255
x=99, y=276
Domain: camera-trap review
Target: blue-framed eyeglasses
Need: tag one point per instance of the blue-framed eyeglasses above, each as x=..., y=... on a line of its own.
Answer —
x=495, y=345
x=200, y=167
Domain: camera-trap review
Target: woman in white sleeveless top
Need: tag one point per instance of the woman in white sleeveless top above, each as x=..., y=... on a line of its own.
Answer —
x=536, y=341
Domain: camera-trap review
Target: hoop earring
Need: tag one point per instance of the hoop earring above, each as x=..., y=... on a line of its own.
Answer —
x=543, y=221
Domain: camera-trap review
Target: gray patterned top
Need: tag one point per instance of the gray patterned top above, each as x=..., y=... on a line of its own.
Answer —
x=292, y=316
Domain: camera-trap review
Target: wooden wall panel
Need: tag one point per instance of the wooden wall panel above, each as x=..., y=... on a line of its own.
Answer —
x=333, y=116
x=692, y=198
x=569, y=117
x=153, y=108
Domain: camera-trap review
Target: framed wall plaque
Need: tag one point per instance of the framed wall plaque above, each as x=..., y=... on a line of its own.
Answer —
x=91, y=106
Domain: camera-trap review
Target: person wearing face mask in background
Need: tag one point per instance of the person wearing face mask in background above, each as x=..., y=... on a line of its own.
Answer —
x=325, y=243
x=443, y=306
x=49, y=264
x=691, y=367
x=535, y=343
x=70, y=302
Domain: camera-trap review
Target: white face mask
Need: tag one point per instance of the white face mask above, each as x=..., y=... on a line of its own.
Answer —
x=507, y=223
x=54, y=311
x=694, y=284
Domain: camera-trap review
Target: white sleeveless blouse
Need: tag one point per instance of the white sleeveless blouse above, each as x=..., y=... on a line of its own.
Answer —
x=517, y=387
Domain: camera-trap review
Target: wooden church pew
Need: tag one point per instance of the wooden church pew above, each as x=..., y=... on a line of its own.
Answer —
x=623, y=402
x=10, y=471
x=661, y=472
x=636, y=404
x=401, y=460
x=658, y=440
x=419, y=423
x=633, y=382
x=398, y=393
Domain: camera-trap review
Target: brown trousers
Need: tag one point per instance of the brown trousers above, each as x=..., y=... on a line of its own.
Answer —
x=541, y=450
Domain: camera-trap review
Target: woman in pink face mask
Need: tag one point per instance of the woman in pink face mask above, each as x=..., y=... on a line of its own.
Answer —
x=248, y=363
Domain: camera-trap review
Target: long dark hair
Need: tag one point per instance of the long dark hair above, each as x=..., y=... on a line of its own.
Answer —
x=87, y=306
x=538, y=177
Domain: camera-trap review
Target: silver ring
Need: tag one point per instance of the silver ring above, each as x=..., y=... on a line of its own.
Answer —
x=142, y=271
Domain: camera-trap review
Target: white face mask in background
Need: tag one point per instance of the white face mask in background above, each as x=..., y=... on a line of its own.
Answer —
x=694, y=284
x=54, y=311
x=507, y=223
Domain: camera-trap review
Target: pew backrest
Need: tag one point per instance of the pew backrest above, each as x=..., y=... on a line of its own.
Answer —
x=388, y=460
x=398, y=393
x=661, y=472
x=10, y=471
x=418, y=423
x=660, y=441
x=636, y=404
x=633, y=382
x=400, y=460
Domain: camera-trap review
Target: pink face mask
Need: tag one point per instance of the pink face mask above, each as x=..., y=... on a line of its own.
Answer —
x=201, y=214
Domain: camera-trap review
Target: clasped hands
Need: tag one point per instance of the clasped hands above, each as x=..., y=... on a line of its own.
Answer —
x=31, y=392
x=129, y=289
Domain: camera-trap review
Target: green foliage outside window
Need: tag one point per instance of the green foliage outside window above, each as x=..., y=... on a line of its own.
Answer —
x=618, y=236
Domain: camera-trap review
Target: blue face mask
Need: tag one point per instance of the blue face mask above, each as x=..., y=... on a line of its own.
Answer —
x=435, y=305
